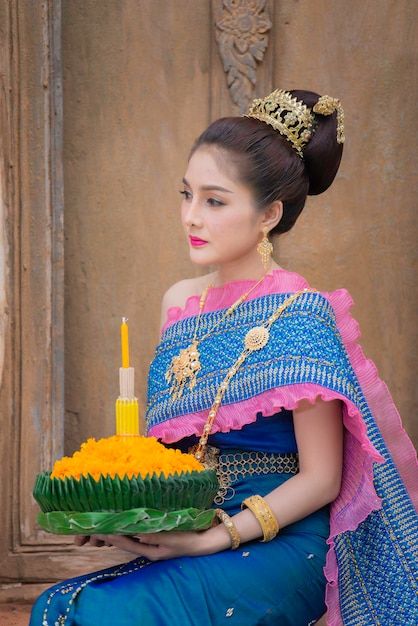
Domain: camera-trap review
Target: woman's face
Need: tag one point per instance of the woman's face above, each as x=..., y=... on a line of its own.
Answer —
x=218, y=213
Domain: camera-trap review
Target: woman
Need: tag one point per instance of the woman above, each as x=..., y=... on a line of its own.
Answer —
x=257, y=373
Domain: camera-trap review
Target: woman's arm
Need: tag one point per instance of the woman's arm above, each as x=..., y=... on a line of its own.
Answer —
x=319, y=436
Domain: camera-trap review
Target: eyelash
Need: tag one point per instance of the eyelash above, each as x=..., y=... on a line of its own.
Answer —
x=213, y=202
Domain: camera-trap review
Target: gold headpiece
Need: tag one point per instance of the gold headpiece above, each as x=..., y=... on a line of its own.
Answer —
x=326, y=106
x=293, y=119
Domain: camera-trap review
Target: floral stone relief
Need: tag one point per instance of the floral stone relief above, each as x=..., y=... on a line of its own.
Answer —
x=241, y=33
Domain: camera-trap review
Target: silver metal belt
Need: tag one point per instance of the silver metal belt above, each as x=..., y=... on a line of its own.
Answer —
x=232, y=466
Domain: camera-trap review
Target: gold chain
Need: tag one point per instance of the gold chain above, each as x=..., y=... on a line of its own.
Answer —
x=185, y=366
x=255, y=339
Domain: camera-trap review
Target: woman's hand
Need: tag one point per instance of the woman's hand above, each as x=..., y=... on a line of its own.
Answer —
x=165, y=545
x=156, y=546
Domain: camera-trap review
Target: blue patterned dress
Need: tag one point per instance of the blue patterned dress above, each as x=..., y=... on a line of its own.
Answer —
x=365, y=547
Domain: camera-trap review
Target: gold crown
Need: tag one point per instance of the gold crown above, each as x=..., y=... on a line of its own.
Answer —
x=293, y=119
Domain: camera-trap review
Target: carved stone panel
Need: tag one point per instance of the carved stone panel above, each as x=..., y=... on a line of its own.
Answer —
x=242, y=34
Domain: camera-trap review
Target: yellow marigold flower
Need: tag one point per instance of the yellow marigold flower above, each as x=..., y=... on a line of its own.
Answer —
x=124, y=456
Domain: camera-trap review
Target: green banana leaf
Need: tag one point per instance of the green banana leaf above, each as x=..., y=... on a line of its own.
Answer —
x=176, y=492
x=132, y=522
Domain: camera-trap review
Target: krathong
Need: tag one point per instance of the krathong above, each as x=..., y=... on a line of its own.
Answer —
x=124, y=456
x=128, y=483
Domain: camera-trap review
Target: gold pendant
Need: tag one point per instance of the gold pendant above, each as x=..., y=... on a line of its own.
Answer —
x=256, y=338
x=183, y=370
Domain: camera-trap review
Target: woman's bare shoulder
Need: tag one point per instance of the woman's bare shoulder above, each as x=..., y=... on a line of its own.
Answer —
x=178, y=294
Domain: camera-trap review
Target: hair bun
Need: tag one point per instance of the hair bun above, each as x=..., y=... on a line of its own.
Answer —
x=322, y=155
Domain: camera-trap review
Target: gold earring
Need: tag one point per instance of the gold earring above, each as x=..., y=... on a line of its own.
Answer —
x=265, y=248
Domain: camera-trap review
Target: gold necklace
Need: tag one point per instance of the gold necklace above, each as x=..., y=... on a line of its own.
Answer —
x=255, y=339
x=185, y=366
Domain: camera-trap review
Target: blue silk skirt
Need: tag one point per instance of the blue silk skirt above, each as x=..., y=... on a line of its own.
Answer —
x=277, y=583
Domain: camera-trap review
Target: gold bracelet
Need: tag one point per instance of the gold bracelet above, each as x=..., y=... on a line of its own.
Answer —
x=230, y=526
x=264, y=515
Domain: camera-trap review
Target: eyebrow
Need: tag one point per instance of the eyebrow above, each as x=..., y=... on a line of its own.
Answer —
x=209, y=187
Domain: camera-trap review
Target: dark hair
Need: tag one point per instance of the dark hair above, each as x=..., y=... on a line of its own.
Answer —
x=267, y=162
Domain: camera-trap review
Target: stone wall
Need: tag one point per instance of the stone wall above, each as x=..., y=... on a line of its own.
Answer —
x=139, y=86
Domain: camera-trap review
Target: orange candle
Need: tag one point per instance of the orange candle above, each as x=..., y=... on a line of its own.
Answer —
x=125, y=342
